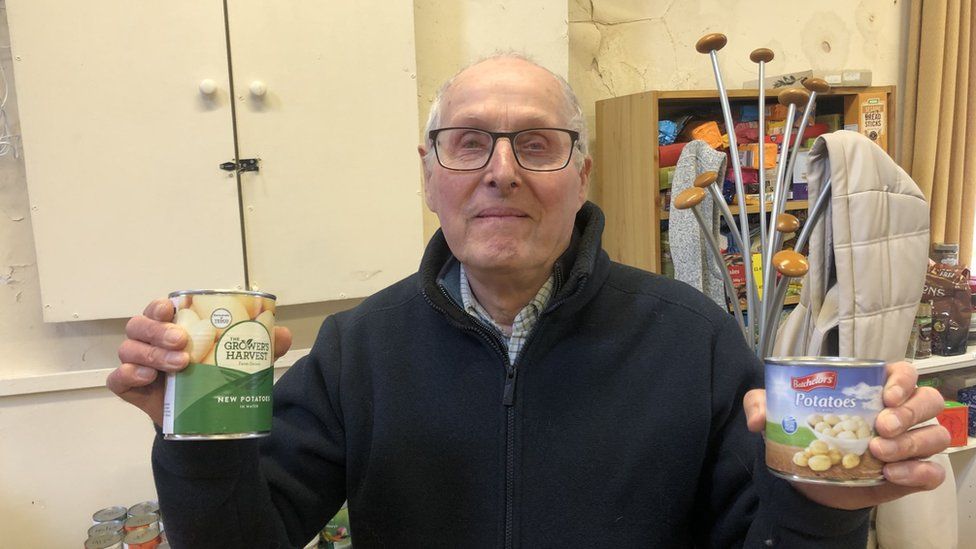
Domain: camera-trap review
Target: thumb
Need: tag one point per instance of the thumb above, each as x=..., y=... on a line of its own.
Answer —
x=754, y=404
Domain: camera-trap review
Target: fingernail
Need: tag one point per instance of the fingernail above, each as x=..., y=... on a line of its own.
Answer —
x=896, y=472
x=176, y=358
x=145, y=373
x=887, y=446
x=173, y=336
x=891, y=422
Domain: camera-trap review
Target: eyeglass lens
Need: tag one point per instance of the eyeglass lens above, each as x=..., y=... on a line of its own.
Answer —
x=470, y=149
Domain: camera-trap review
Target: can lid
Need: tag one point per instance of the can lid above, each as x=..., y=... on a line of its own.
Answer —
x=103, y=541
x=142, y=535
x=829, y=361
x=108, y=527
x=141, y=520
x=110, y=513
x=144, y=508
x=216, y=292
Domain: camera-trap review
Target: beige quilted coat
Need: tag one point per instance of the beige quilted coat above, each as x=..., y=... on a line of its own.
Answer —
x=868, y=257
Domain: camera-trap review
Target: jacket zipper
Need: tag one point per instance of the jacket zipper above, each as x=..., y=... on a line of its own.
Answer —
x=508, y=395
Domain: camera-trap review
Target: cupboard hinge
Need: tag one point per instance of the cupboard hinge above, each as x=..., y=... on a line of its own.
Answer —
x=244, y=165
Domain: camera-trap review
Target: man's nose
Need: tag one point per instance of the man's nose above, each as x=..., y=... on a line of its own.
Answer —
x=502, y=167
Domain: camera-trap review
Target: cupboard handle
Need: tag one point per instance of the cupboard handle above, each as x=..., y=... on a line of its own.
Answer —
x=208, y=86
x=258, y=88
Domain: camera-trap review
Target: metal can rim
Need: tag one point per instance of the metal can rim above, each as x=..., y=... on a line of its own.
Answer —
x=841, y=361
x=113, y=513
x=178, y=293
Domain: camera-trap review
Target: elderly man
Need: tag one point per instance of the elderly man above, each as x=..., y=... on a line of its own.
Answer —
x=520, y=390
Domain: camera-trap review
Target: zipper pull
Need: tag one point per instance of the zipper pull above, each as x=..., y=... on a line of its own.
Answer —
x=509, y=397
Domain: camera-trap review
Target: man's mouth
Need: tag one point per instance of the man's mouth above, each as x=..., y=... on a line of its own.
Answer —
x=501, y=212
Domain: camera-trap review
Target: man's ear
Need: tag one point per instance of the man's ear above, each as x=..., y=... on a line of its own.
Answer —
x=585, y=179
x=428, y=199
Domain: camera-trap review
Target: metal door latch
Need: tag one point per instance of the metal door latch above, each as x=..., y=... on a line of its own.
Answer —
x=245, y=165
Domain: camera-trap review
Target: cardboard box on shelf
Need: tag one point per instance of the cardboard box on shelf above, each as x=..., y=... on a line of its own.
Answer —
x=867, y=113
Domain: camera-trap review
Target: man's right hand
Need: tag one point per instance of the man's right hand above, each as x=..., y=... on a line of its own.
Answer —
x=154, y=345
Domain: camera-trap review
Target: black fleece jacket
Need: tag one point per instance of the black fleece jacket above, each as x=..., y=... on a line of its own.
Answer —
x=620, y=425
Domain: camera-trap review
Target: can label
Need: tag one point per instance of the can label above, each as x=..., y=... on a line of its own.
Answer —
x=820, y=414
x=225, y=390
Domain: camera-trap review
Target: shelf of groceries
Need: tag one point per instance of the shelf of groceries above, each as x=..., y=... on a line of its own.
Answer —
x=935, y=363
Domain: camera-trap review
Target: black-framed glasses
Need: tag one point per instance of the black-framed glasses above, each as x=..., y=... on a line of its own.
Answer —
x=536, y=149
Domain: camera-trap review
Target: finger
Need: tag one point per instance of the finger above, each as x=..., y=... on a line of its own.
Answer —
x=920, y=475
x=159, y=334
x=282, y=341
x=160, y=309
x=902, y=377
x=754, y=404
x=129, y=376
x=143, y=354
x=917, y=443
x=924, y=404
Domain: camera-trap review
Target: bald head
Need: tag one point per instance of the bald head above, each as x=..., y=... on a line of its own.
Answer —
x=497, y=72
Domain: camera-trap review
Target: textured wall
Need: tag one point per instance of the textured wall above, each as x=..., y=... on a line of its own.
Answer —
x=618, y=47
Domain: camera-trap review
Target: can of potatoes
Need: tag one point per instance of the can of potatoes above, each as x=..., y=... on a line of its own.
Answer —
x=225, y=391
x=820, y=414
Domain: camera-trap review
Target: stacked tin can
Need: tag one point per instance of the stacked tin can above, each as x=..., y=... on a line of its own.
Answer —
x=137, y=527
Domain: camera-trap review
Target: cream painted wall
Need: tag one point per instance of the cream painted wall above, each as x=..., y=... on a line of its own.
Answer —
x=618, y=47
x=64, y=454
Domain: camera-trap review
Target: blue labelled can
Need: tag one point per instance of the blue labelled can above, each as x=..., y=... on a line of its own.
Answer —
x=225, y=391
x=820, y=414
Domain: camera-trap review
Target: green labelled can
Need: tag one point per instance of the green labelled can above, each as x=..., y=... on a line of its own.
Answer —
x=225, y=391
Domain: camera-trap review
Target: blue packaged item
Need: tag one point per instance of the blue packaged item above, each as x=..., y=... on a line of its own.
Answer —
x=749, y=113
x=667, y=132
x=968, y=396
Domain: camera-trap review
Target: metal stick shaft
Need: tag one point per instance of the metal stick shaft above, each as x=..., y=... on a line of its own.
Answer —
x=818, y=209
x=769, y=336
x=762, y=154
x=720, y=263
x=796, y=147
x=741, y=198
x=726, y=213
x=772, y=322
x=780, y=172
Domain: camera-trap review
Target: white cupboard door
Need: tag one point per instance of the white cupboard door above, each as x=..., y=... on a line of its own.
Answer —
x=122, y=147
x=327, y=99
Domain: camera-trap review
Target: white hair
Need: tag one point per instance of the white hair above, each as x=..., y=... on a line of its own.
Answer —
x=574, y=112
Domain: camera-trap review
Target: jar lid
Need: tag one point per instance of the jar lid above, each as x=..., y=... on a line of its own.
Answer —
x=946, y=247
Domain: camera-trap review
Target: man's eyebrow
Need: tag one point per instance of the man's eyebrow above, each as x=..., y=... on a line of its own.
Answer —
x=533, y=121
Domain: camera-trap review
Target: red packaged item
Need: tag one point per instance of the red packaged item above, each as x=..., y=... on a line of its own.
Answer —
x=669, y=154
x=955, y=418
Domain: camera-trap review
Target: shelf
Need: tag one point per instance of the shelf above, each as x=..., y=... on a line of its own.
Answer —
x=969, y=446
x=791, y=205
x=944, y=363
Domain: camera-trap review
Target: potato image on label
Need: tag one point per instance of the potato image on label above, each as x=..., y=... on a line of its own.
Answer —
x=225, y=391
x=820, y=414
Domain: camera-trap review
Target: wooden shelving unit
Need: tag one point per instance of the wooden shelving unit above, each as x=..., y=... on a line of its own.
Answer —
x=627, y=159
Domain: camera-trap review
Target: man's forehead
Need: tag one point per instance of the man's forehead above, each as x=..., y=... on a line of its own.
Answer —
x=510, y=88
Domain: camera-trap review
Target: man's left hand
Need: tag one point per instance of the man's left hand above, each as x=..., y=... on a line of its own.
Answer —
x=902, y=450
